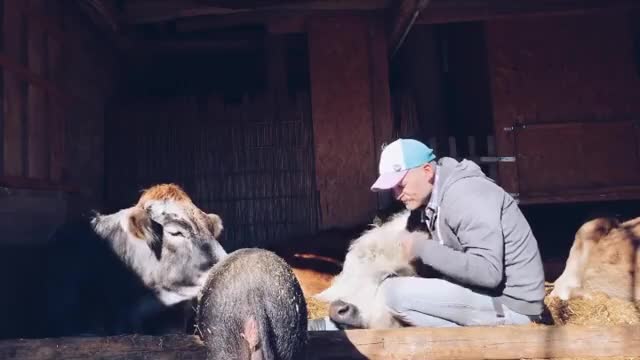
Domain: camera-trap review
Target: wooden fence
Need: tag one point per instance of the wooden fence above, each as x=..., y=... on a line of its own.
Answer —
x=480, y=150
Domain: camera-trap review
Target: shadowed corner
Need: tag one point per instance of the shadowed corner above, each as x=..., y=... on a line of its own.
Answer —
x=324, y=345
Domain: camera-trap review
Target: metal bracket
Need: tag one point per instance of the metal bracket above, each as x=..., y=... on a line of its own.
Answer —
x=519, y=125
x=490, y=159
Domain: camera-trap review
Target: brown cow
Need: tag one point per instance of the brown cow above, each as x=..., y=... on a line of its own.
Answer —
x=604, y=257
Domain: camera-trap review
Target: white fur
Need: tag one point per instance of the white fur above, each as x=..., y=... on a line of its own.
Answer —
x=135, y=252
x=372, y=257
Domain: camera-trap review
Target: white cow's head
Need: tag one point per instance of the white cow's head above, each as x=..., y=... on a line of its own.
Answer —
x=354, y=296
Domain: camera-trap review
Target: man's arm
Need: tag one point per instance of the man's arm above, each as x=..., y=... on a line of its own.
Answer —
x=473, y=211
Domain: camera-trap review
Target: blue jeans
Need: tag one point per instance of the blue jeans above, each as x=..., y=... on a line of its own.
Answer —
x=427, y=302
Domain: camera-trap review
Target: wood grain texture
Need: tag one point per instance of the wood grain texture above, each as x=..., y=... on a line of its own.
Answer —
x=342, y=119
x=502, y=342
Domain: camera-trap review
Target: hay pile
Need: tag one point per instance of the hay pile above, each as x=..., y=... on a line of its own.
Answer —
x=316, y=309
x=599, y=309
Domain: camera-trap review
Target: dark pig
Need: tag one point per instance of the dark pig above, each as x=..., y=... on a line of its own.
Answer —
x=252, y=307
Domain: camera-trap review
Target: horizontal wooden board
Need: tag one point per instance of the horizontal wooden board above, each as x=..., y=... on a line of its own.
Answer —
x=480, y=342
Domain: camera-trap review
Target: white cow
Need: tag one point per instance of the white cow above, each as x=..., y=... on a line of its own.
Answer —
x=354, y=298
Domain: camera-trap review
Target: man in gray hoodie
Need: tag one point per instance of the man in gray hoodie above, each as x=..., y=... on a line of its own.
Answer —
x=481, y=244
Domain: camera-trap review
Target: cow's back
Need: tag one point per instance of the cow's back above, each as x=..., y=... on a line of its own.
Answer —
x=613, y=266
x=89, y=289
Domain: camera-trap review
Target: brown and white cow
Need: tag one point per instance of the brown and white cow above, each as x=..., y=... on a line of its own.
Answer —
x=604, y=257
x=108, y=274
x=371, y=258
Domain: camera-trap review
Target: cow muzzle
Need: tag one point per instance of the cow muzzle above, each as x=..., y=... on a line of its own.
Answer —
x=345, y=315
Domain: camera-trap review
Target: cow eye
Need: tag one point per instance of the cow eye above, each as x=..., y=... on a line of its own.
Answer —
x=173, y=232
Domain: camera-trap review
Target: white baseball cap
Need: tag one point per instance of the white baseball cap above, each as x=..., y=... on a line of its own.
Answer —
x=397, y=159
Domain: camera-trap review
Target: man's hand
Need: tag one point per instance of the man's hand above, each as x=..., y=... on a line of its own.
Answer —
x=411, y=243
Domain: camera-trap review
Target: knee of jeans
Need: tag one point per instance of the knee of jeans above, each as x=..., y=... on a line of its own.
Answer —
x=392, y=298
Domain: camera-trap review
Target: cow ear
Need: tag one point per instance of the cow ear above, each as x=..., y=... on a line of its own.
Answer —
x=142, y=227
x=215, y=224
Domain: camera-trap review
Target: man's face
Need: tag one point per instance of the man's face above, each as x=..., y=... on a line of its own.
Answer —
x=416, y=187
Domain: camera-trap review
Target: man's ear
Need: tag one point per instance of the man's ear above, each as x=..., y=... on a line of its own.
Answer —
x=215, y=224
x=141, y=226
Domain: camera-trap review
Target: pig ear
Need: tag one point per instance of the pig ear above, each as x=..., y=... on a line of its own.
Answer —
x=215, y=224
x=141, y=226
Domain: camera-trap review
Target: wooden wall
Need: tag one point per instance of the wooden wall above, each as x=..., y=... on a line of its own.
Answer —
x=573, y=81
x=233, y=128
x=351, y=114
x=55, y=76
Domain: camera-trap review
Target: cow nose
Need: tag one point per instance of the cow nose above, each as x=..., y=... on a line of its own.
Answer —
x=344, y=313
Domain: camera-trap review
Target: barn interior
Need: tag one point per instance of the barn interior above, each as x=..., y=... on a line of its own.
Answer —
x=272, y=113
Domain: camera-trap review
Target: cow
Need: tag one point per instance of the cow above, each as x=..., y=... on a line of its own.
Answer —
x=110, y=274
x=252, y=307
x=374, y=256
x=604, y=257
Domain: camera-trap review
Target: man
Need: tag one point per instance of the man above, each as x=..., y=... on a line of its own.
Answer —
x=480, y=243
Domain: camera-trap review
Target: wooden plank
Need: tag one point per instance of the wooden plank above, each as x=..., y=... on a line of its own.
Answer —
x=404, y=15
x=2, y=89
x=504, y=342
x=13, y=42
x=504, y=117
x=342, y=119
x=441, y=12
x=34, y=184
x=501, y=342
x=556, y=158
x=37, y=139
x=113, y=348
x=380, y=93
x=140, y=12
x=22, y=73
x=574, y=196
x=56, y=111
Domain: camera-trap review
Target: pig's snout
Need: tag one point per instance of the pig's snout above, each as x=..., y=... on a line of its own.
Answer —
x=345, y=314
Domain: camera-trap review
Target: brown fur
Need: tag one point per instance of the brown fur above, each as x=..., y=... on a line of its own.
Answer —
x=139, y=224
x=174, y=192
x=164, y=192
x=603, y=258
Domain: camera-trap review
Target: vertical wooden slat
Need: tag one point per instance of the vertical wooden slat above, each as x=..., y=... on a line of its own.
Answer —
x=55, y=119
x=380, y=94
x=37, y=141
x=2, y=109
x=13, y=98
x=452, y=147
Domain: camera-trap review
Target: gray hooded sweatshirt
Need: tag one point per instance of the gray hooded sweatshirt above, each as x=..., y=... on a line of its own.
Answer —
x=481, y=238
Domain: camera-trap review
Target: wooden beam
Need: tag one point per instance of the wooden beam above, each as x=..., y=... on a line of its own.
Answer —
x=103, y=13
x=150, y=11
x=504, y=342
x=403, y=18
x=112, y=348
x=16, y=182
x=472, y=10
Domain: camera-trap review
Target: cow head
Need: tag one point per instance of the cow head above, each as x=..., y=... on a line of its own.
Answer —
x=354, y=296
x=169, y=242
